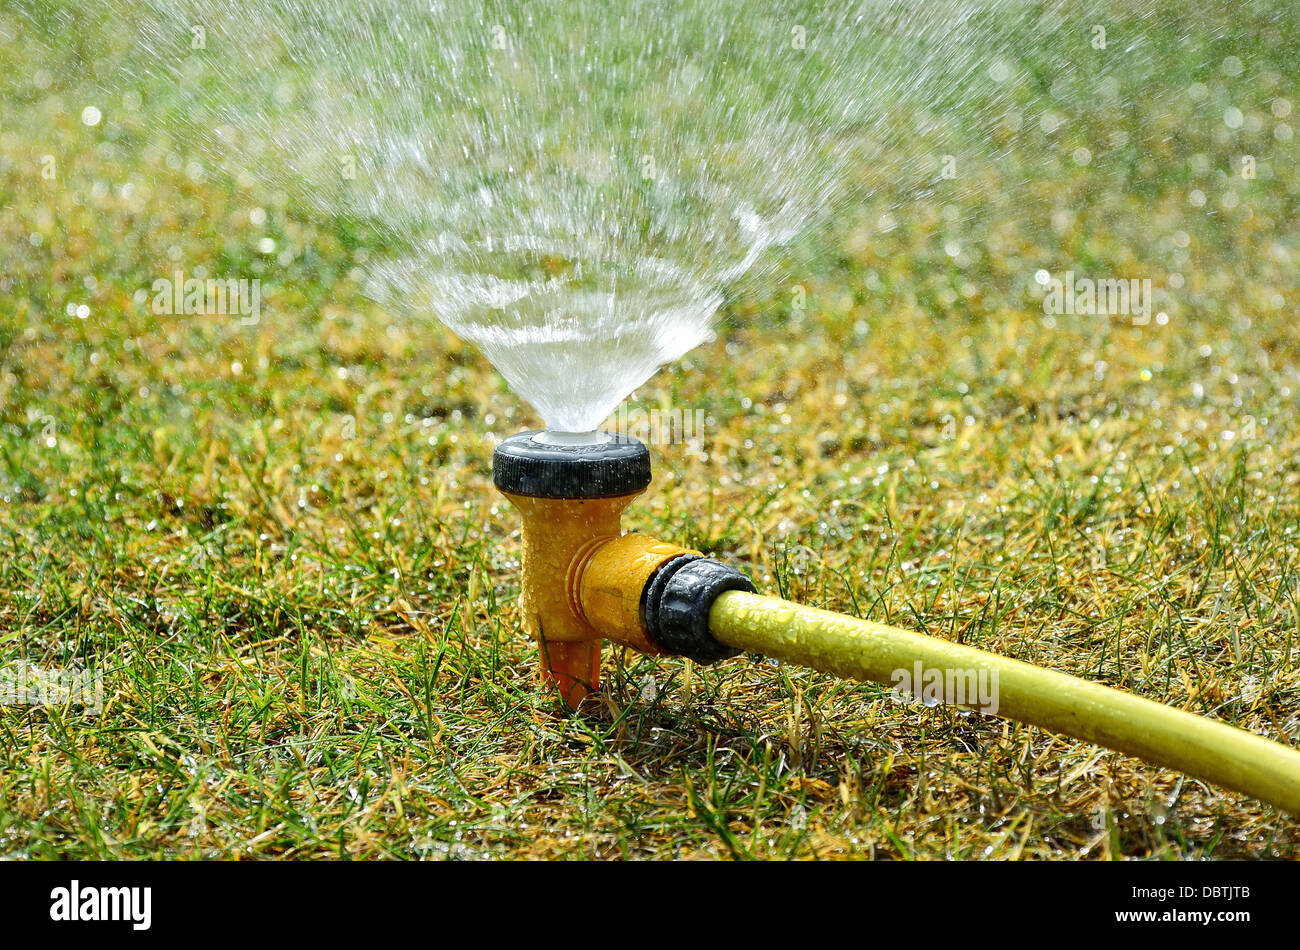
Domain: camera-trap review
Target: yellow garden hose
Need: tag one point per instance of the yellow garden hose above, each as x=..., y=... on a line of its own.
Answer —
x=863, y=650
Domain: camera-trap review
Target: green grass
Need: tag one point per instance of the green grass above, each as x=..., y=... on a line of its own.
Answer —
x=280, y=544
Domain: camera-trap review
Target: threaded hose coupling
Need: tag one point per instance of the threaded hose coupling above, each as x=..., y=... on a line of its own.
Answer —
x=675, y=606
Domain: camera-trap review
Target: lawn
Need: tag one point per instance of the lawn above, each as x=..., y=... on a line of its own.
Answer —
x=278, y=543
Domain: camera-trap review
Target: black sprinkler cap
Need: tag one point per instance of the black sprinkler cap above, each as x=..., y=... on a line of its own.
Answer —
x=546, y=464
x=676, y=601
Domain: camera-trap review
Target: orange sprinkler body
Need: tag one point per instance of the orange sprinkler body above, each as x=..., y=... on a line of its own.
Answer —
x=579, y=540
x=583, y=580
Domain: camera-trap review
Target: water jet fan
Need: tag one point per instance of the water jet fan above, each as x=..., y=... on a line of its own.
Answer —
x=585, y=581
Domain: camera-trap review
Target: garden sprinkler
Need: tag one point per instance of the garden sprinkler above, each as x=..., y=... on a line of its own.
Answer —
x=585, y=581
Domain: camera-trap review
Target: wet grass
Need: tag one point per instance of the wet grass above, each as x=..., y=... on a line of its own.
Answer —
x=279, y=543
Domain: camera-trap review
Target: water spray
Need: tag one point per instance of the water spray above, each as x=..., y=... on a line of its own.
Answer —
x=585, y=581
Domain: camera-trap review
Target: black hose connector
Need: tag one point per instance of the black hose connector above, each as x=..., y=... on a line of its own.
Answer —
x=676, y=601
